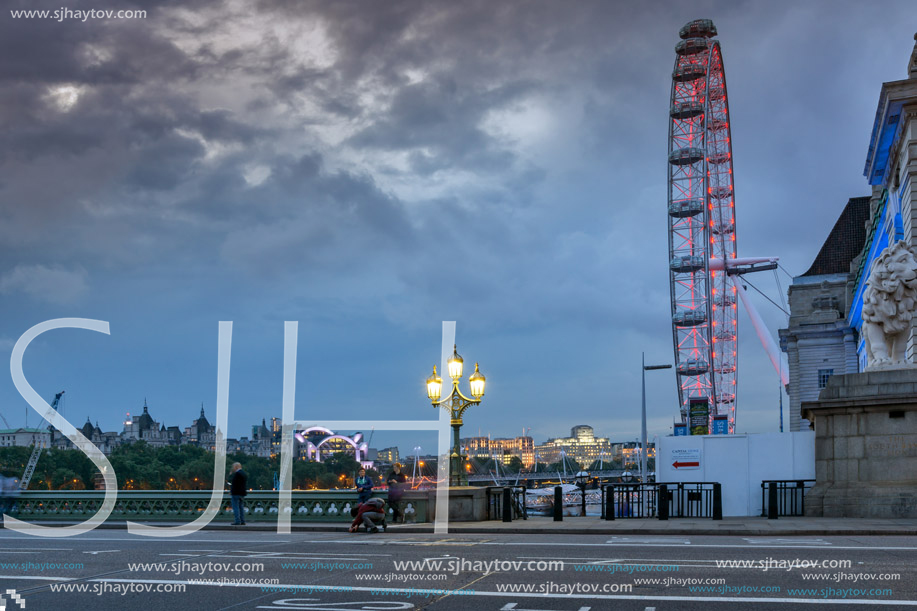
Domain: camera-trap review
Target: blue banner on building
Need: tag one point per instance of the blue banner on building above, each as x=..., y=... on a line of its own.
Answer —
x=681, y=430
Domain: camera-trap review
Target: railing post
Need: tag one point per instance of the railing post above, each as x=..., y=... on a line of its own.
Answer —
x=772, y=501
x=507, y=505
x=558, y=504
x=717, y=501
x=662, y=500
x=609, y=502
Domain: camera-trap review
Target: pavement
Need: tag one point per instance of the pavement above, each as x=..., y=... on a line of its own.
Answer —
x=733, y=526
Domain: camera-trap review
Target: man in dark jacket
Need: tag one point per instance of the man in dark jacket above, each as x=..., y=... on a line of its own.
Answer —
x=396, y=483
x=370, y=514
x=238, y=488
x=364, y=484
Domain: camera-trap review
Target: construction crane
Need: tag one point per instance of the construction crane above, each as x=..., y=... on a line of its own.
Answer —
x=36, y=452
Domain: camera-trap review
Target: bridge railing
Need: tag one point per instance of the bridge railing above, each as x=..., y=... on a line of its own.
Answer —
x=662, y=500
x=790, y=496
x=186, y=505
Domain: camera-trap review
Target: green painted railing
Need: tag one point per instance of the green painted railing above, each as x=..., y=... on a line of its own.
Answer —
x=186, y=505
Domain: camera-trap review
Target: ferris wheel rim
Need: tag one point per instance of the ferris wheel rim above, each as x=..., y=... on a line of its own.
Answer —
x=702, y=225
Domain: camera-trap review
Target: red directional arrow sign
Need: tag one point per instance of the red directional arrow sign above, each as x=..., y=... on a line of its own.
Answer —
x=677, y=464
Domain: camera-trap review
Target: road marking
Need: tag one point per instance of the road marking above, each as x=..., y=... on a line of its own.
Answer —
x=296, y=603
x=37, y=578
x=389, y=542
x=512, y=607
x=790, y=541
x=395, y=591
x=287, y=556
x=103, y=551
x=656, y=540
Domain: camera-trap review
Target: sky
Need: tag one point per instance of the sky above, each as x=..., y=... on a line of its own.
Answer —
x=371, y=169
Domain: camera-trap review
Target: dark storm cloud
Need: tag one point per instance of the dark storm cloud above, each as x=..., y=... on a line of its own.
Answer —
x=393, y=163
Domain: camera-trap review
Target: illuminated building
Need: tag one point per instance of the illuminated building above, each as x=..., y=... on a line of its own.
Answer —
x=582, y=446
x=502, y=449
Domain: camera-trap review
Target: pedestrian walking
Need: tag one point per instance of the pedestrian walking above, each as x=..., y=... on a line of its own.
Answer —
x=238, y=488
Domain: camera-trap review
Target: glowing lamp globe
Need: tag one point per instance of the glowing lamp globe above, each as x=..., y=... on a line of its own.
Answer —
x=455, y=364
x=477, y=381
x=434, y=386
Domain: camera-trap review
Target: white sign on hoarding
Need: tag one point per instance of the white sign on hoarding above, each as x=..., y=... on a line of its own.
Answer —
x=685, y=458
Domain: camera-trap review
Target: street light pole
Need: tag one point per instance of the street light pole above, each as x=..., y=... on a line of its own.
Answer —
x=456, y=403
x=644, y=369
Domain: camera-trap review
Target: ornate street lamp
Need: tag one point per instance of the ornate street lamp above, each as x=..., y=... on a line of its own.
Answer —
x=456, y=403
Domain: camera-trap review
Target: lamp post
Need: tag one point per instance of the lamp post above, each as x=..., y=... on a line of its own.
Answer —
x=643, y=415
x=456, y=404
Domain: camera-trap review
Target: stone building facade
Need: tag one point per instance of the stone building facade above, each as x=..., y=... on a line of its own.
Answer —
x=818, y=340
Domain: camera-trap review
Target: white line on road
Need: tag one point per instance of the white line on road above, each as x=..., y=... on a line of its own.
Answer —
x=512, y=607
x=279, y=588
x=38, y=578
x=657, y=540
x=103, y=551
x=793, y=541
x=744, y=546
x=11, y=550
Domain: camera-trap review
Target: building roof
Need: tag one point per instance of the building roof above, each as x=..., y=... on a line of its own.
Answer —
x=146, y=421
x=845, y=241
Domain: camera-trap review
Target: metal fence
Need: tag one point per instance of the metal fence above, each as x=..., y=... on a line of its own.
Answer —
x=682, y=500
x=791, y=496
x=496, y=499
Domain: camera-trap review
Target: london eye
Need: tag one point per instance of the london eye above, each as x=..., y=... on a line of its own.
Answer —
x=702, y=225
x=703, y=266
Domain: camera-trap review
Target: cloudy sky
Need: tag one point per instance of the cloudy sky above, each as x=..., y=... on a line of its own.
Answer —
x=373, y=168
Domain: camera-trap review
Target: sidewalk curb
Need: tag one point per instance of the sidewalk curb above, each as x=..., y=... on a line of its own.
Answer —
x=510, y=530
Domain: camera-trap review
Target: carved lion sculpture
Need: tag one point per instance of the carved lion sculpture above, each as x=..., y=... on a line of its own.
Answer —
x=888, y=306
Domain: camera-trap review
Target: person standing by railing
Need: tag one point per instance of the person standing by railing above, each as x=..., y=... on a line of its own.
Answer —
x=238, y=488
x=364, y=485
x=396, y=482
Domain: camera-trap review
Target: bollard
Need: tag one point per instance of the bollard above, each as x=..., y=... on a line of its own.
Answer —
x=717, y=501
x=609, y=502
x=507, y=505
x=772, y=501
x=662, y=502
x=558, y=504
